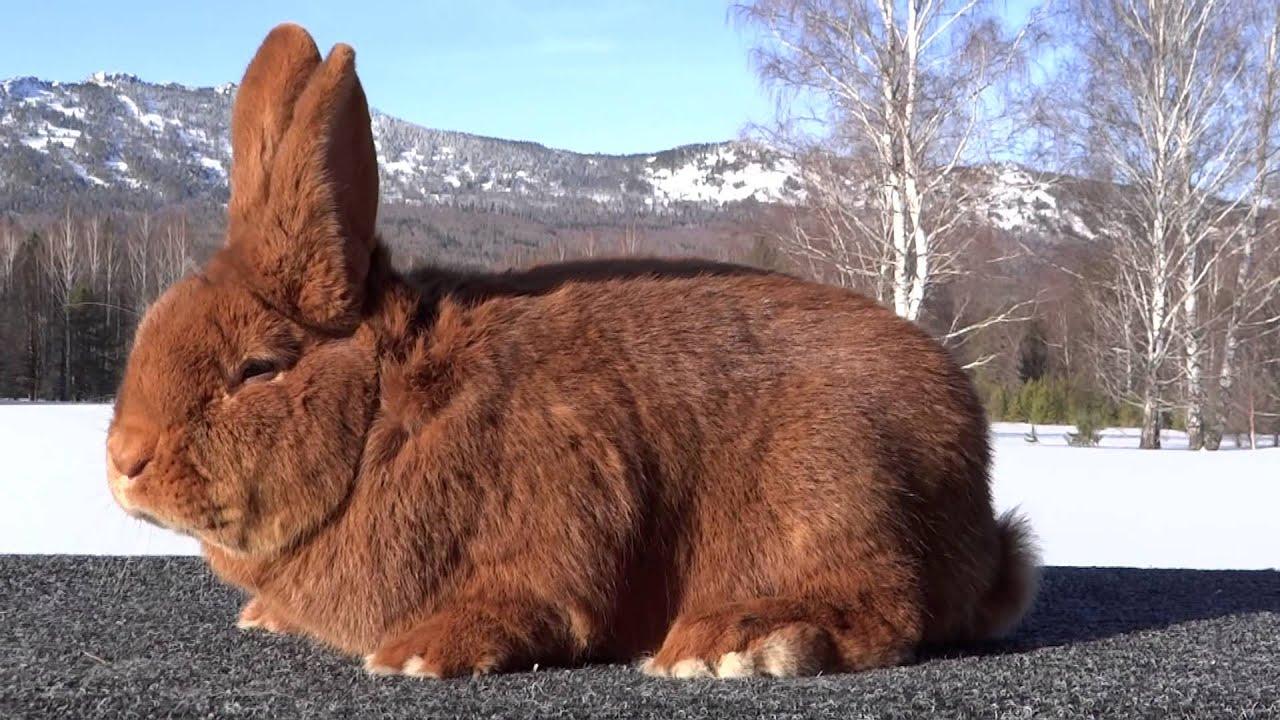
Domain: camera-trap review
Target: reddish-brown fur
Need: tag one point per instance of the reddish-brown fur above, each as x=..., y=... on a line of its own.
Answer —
x=457, y=473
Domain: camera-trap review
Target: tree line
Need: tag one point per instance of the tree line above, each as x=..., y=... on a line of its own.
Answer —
x=1168, y=309
x=72, y=288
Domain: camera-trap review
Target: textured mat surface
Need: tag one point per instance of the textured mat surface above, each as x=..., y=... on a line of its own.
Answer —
x=153, y=637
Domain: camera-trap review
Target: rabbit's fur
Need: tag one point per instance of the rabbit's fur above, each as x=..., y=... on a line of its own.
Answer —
x=737, y=472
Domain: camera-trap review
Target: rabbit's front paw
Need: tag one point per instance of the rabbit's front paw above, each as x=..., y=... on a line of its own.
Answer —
x=257, y=616
x=444, y=646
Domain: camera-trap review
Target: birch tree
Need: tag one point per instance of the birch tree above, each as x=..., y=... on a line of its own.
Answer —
x=110, y=280
x=1256, y=280
x=175, y=252
x=1157, y=109
x=10, y=241
x=63, y=267
x=138, y=257
x=30, y=288
x=881, y=101
x=95, y=251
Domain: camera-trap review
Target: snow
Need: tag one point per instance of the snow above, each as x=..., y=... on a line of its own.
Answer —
x=73, y=112
x=54, y=497
x=29, y=90
x=121, y=169
x=84, y=174
x=1079, y=227
x=47, y=133
x=151, y=120
x=698, y=181
x=1116, y=505
x=1017, y=200
x=109, y=79
x=1109, y=506
x=112, y=79
x=193, y=136
x=211, y=164
x=400, y=167
x=62, y=136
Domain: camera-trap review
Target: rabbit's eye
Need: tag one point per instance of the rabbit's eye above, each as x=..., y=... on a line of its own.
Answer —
x=256, y=370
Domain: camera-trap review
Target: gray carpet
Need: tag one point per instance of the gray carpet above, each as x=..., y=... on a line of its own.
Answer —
x=136, y=637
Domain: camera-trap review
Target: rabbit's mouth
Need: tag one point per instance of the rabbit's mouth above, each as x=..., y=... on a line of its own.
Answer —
x=212, y=532
x=136, y=496
x=119, y=490
x=120, y=484
x=148, y=518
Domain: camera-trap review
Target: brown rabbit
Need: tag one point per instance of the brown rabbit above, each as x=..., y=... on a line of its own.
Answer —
x=738, y=473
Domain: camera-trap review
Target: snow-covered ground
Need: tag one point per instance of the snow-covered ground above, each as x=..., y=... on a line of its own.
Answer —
x=1117, y=505
x=53, y=492
x=1111, y=505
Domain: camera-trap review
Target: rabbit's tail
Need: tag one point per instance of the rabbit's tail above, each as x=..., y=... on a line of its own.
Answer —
x=1016, y=579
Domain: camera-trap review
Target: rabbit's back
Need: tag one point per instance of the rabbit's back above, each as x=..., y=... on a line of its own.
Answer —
x=755, y=432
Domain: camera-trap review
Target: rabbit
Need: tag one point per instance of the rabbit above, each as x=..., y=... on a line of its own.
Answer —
x=708, y=470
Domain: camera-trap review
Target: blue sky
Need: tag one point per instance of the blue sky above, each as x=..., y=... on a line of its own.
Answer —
x=612, y=76
x=587, y=75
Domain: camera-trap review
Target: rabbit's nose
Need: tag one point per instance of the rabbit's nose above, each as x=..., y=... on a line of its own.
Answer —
x=129, y=455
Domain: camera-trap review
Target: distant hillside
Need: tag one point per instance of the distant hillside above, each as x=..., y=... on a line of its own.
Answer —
x=118, y=143
x=126, y=142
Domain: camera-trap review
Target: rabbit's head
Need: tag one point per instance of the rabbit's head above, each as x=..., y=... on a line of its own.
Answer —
x=243, y=408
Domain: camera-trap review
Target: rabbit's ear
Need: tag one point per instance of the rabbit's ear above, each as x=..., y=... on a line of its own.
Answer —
x=263, y=111
x=309, y=242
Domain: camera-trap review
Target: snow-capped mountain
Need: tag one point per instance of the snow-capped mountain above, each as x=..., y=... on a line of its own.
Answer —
x=117, y=136
x=121, y=142
x=1047, y=206
x=424, y=165
x=113, y=135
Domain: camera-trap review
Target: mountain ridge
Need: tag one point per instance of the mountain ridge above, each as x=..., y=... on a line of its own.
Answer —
x=118, y=136
x=116, y=141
